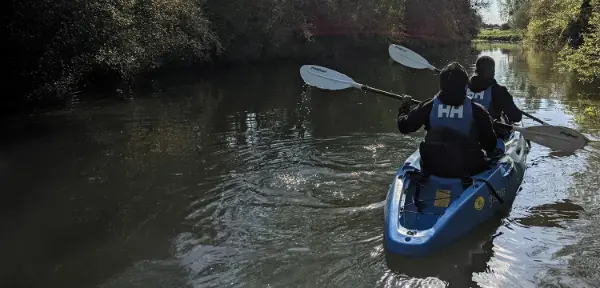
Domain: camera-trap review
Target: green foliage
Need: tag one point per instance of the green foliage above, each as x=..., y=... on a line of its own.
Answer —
x=456, y=20
x=569, y=26
x=499, y=35
x=517, y=12
x=62, y=42
x=59, y=46
x=148, y=34
x=585, y=60
x=589, y=112
x=503, y=46
x=259, y=28
x=549, y=21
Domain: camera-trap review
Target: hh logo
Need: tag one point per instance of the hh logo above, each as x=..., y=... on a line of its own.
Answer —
x=448, y=111
x=473, y=95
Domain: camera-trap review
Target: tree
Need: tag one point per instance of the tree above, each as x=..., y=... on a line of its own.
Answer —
x=517, y=12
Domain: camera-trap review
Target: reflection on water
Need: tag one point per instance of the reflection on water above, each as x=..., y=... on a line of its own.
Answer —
x=251, y=179
x=550, y=215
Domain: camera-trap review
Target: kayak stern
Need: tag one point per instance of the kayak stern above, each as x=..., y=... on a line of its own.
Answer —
x=424, y=215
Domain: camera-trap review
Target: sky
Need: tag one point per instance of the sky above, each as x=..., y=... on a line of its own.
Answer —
x=492, y=14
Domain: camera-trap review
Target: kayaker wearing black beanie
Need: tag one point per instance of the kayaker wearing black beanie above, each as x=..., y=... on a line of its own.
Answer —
x=484, y=90
x=457, y=128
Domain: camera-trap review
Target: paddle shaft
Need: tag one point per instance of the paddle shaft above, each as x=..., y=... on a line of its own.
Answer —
x=522, y=112
x=520, y=129
x=425, y=64
x=534, y=118
x=385, y=93
x=517, y=128
x=399, y=97
x=554, y=137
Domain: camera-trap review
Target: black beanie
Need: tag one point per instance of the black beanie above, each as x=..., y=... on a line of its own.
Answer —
x=453, y=78
x=483, y=63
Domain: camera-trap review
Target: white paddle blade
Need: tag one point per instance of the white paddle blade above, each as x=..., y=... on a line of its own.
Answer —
x=326, y=78
x=408, y=58
x=557, y=138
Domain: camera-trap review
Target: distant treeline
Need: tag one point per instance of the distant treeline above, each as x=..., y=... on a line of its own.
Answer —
x=501, y=35
x=55, y=47
x=571, y=27
x=503, y=26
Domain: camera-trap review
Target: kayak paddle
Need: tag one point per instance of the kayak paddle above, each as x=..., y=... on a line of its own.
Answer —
x=554, y=137
x=411, y=59
x=328, y=79
x=557, y=138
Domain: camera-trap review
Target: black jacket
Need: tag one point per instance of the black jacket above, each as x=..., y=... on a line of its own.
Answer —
x=419, y=116
x=502, y=101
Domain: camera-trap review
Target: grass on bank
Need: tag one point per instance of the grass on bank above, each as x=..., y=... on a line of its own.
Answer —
x=489, y=45
x=499, y=35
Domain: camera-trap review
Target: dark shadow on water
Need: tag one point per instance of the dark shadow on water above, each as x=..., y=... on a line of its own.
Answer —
x=456, y=263
x=551, y=215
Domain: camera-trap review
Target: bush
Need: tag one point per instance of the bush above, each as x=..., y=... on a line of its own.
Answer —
x=62, y=42
x=549, y=20
x=585, y=60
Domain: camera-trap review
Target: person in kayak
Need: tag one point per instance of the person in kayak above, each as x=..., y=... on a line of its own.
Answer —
x=484, y=90
x=458, y=129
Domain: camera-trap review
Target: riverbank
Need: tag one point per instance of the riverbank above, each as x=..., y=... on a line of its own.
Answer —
x=570, y=28
x=106, y=84
x=497, y=35
x=60, y=48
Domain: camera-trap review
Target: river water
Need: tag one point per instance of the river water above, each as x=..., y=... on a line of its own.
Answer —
x=250, y=179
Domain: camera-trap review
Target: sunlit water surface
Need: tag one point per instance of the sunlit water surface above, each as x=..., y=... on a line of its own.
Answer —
x=250, y=179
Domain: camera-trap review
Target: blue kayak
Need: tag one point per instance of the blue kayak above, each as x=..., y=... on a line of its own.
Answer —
x=424, y=214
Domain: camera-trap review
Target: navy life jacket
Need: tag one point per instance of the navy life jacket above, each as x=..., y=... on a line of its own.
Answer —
x=482, y=97
x=449, y=150
x=457, y=118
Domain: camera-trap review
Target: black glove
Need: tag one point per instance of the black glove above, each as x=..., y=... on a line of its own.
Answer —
x=404, y=107
x=403, y=111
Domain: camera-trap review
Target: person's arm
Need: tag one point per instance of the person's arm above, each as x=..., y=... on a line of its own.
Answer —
x=416, y=118
x=506, y=103
x=487, y=136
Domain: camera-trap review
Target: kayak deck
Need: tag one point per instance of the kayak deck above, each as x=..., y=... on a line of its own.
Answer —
x=424, y=214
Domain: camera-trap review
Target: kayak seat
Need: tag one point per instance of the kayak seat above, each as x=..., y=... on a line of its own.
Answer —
x=427, y=197
x=421, y=182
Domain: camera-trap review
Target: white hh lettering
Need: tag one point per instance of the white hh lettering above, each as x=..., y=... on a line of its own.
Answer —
x=448, y=111
x=473, y=95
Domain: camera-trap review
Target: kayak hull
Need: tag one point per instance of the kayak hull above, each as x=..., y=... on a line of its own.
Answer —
x=424, y=215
